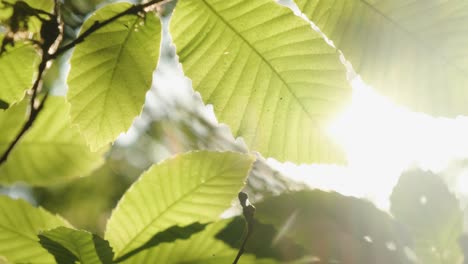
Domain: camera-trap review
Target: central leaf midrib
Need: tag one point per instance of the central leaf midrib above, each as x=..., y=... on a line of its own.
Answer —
x=118, y=57
x=262, y=58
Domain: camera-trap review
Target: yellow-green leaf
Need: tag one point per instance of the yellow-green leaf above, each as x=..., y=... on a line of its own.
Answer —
x=268, y=74
x=20, y=223
x=191, y=187
x=18, y=66
x=111, y=71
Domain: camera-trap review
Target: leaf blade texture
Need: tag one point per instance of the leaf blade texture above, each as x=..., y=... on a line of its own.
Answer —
x=111, y=71
x=18, y=67
x=268, y=74
x=20, y=225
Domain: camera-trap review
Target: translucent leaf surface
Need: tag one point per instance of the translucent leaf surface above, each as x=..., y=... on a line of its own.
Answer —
x=51, y=151
x=412, y=51
x=192, y=187
x=111, y=72
x=20, y=223
x=70, y=245
x=422, y=202
x=18, y=66
x=268, y=74
x=200, y=248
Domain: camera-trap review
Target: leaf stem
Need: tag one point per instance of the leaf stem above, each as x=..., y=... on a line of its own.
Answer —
x=248, y=210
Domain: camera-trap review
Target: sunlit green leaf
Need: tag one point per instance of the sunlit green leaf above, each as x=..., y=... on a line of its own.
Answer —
x=111, y=71
x=70, y=245
x=191, y=187
x=200, y=248
x=268, y=74
x=422, y=201
x=20, y=223
x=330, y=226
x=17, y=70
x=413, y=51
x=52, y=150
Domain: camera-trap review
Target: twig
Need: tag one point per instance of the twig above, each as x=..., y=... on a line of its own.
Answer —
x=133, y=10
x=248, y=210
x=46, y=57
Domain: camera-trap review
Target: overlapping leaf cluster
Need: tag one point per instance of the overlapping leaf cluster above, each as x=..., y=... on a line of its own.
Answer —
x=275, y=80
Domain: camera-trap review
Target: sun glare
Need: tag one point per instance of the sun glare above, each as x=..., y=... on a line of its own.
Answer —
x=381, y=140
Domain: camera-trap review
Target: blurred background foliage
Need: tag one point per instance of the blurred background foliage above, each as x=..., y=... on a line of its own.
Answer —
x=427, y=217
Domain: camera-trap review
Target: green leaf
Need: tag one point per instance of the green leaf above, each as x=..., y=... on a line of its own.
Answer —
x=70, y=245
x=20, y=224
x=51, y=151
x=200, y=248
x=18, y=66
x=111, y=71
x=268, y=74
x=192, y=187
x=422, y=202
x=414, y=52
x=329, y=226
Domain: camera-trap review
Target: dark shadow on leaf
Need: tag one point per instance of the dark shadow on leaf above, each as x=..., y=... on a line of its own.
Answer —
x=264, y=242
x=169, y=235
x=60, y=253
x=103, y=249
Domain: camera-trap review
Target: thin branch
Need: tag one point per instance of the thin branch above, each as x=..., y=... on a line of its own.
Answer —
x=34, y=109
x=133, y=10
x=248, y=210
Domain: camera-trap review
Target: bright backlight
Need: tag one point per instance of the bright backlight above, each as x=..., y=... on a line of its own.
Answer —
x=381, y=140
